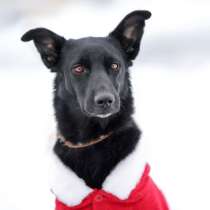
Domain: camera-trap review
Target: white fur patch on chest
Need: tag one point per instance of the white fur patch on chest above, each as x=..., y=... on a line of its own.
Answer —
x=71, y=190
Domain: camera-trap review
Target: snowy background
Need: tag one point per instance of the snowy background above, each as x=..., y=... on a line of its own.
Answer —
x=171, y=83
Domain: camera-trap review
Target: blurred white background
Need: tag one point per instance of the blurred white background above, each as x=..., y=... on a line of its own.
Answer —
x=171, y=83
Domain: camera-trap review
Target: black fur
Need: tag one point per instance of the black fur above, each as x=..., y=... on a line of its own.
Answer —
x=76, y=109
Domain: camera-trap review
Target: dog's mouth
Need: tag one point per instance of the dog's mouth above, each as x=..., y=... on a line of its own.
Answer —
x=104, y=115
x=100, y=115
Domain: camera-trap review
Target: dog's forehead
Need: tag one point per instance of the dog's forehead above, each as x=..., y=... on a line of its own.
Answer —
x=93, y=42
x=94, y=46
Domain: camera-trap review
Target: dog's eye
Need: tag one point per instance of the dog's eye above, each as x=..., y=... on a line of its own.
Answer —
x=115, y=66
x=78, y=69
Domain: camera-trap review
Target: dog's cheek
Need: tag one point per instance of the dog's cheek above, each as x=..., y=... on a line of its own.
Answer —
x=81, y=97
x=88, y=102
x=124, y=89
x=69, y=84
x=121, y=83
x=117, y=103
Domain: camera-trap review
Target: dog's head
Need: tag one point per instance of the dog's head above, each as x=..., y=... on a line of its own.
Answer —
x=93, y=69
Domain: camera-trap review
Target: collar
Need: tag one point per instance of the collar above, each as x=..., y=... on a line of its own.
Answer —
x=91, y=142
x=71, y=190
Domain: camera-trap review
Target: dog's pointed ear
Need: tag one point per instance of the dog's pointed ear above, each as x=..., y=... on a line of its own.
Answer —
x=129, y=32
x=48, y=43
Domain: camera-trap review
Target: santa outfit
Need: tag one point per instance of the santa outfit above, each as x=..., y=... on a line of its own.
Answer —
x=127, y=187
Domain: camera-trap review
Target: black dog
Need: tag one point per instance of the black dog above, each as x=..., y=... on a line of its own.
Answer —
x=93, y=95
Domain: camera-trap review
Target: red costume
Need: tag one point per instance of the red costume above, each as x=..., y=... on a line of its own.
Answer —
x=145, y=196
x=127, y=187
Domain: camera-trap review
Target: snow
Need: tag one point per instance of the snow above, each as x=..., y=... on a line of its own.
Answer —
x=171, y=89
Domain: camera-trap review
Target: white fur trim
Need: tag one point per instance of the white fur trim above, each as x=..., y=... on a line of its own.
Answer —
x=123, y=179
x=71, y=190
x=64, y=183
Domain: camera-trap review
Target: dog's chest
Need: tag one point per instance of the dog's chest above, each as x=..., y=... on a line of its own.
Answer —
x=92, y=165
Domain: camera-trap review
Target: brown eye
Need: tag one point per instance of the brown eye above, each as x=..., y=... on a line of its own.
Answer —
x=115, y=66
x=78, y=69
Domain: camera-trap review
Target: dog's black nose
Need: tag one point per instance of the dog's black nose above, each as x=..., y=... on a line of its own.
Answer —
x=104, y=100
